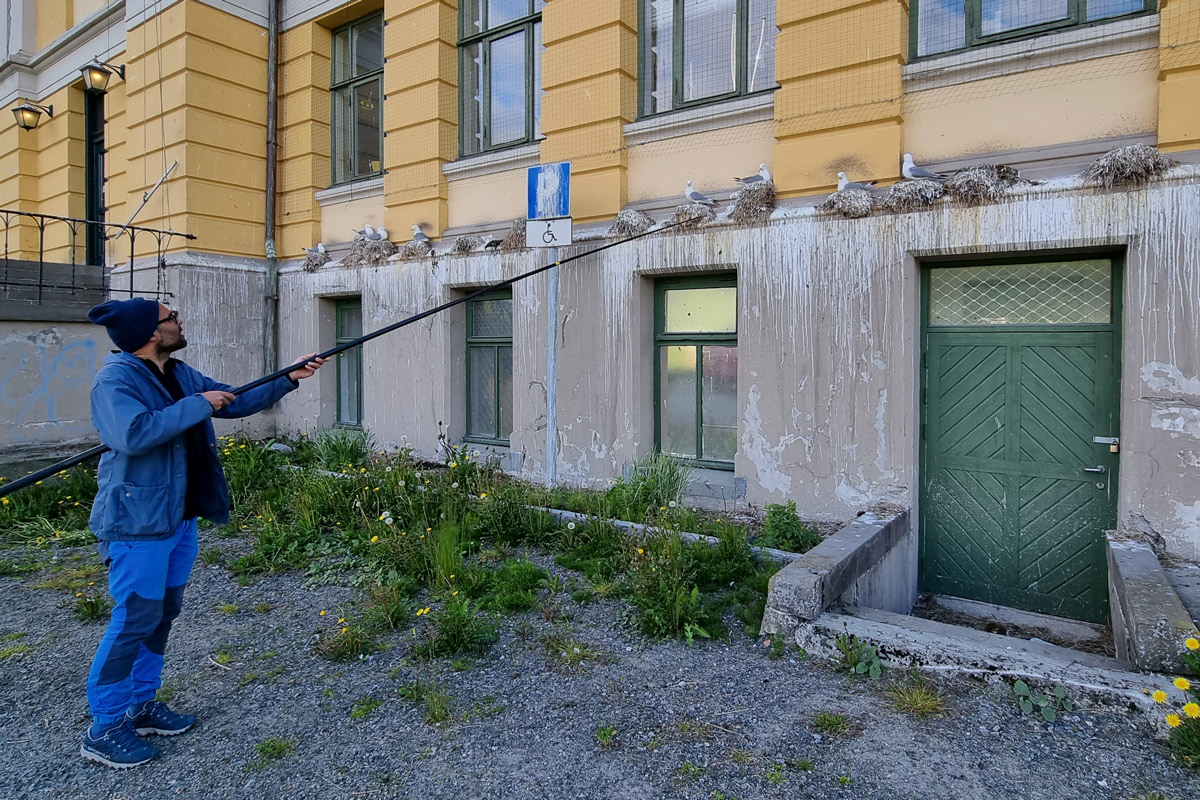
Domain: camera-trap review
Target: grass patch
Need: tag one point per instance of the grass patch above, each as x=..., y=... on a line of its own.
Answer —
x=830, y=723
x=13, y=651
x=91, y=607
x=564, y=650
x=431, y=697
x=351, y=641
x=228, y=608
x=916, y=695
x=515, y=588
x=784, y=530
x=363, y=707
x=456, y=628
x=274, y=749
x=606, y=736
x=71, y=579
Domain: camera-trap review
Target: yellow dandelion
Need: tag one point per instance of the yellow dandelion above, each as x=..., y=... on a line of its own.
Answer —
x=341, y=620
x=1192, y=710
x=482, y=495
x=451, y=576
x=1173, y=720
x=374, y=539
x=345, y=629
x=79, y=594
x=1183, y=684
x=455, y=594
x=322, y=613
x=453, y=464
x=1192, y=643
x=1159, y=696
x=5, y=500
x=641, y=551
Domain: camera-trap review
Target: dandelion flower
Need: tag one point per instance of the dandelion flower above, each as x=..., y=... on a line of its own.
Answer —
x=1192, y=710
x=1183, y=684
x=482, y=495
x=345, y=629
x=1173, y=720
x=640, y=551
x=453, y=464
x=672, y=504
x=1192, y=643
x=341, y=620
x=322, y=613
x=389, y=521
x=454, y=485
x=455, y=594
x=374, y=539
x=79, y=594
x=1159, y=696
x=570, y=526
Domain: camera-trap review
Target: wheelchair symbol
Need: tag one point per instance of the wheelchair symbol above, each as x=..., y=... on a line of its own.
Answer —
x=548, y=236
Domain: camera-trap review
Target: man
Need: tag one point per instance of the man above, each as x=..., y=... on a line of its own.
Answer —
x=161, y=473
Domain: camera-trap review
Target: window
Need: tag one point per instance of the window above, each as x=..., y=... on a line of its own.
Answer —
x=356, y=98
x=696, y=369
x=697, y=51
x=500, y=67
x=939, y=26
x=93, y=175
x=489, y=369
x=348, y=327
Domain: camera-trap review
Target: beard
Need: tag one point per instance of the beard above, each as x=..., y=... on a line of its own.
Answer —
x=172, y=346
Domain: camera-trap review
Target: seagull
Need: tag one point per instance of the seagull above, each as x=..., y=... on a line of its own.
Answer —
x=915, y=173
x=418, y=236
x=381, y=234
x=763, y=175
x=367, y=232
x=845, y=183
x=493, y=244
x=695, y=197
x=312, y=251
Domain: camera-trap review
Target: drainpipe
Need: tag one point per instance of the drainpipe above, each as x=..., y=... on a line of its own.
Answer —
x=271, y=287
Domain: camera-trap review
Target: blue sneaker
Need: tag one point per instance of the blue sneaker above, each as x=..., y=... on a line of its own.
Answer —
x=155, y=718
x=118, y=747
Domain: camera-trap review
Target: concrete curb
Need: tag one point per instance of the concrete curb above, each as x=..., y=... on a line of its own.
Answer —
x=1149, y=620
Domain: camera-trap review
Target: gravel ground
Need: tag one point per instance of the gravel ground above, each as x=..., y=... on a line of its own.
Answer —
x=718, y=720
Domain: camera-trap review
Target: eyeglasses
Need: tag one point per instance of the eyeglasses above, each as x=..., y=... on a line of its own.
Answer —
x=171, y=317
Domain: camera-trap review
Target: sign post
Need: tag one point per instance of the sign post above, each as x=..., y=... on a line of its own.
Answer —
x=549, y=225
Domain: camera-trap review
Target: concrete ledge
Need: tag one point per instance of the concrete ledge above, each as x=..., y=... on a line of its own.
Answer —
x=802, y=590
x=1148, y=618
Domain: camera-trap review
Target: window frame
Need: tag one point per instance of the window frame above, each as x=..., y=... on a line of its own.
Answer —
x=973, y=26
x=530, y=23
x=350, y=84
x=494, y=343
x=677, y=55
x=693, y=338
x=339, y=309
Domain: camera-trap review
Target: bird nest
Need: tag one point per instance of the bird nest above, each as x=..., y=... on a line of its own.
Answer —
x=983, y=183
x=689, y=216
x=912, y=195
x=1132, y=165
x=853, y=203
x=467, y=244
x=369, y=252
x=630, y=223
x=754, y=204
x=415, y=248
x=314, y=261
x=515, y=238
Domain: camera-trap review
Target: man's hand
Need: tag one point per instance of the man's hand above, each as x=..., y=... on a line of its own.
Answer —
x=219, y=399
x=309, y=369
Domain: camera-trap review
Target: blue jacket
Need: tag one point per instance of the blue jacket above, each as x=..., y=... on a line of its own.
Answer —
x=143, y=478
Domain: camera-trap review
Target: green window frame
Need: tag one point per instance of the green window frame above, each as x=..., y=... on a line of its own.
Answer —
x=356, y=101
x=347, y=328
x=500, y=74
x=701, y=395
x=696, y=52
x=489, y=346
x=938, y=27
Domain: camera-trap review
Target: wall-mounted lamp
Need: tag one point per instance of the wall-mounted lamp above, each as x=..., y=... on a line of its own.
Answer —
x=97, y=74
x=29, y=114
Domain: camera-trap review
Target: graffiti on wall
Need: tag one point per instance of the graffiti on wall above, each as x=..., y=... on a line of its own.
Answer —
x=44, y=385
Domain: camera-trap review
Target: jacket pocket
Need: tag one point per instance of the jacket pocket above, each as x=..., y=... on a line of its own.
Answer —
x=140, y=510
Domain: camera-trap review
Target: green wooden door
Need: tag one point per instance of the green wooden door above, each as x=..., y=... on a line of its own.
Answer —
x=1016, y=493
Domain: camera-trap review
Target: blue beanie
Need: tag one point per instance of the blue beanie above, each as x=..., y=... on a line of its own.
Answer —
x=130, y=323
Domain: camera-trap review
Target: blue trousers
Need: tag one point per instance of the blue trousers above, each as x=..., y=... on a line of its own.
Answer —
x=146, y=580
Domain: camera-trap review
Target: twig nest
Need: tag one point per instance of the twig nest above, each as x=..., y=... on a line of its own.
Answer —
x=630, y=222
x=314, y=261
x=983, y=183
x=515, y=238
x=754, y=204
x=1132, y=165
x=416, y=249
x=853, y=203
x=912, y=195
x=467, y=244
x=689, y=216
x=369, y=252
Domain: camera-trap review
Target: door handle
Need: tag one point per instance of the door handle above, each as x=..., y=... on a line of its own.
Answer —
x=1099, y=469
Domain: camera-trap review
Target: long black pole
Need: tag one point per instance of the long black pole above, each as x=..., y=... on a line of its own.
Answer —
x=53, y=469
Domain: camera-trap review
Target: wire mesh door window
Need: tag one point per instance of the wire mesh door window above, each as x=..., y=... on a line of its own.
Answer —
x=349, y=364
x=699, y=51
x=489, y=369
x=941, y=26
x=500, y=63
x=1056, y=293
x=357, y=100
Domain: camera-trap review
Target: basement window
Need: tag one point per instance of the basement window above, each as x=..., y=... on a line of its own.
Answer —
x=490, y=369
x=348, y=327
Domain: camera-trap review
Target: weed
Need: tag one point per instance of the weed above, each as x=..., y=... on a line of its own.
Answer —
x=14, y=651
x=741, y=756
x=774, y=775
x=273, y=749
x=14, y=636
x=658, y=481
x=68, y=579
x=916, y=695
x=388, y=608
x=223, y=656
x=664, y=589
x=430, y=695
x=688, y=771
x=565, y=650
x=212, y=556
x=263, y=608
x=228, y=608
x=1048, y=705
x=248, y=678
x=91, y=607
x=338, y=448
x=596, y=549
x=456, y=628
x=858, y=657
x=783, y=530
x=805, y=765
x=606, y=735
x=845, y=780
x=515, y=587
x=831, y=723
x=166, y=693
x=363, y=707
x=484, y=709
x=348, y=642
x=777, y=645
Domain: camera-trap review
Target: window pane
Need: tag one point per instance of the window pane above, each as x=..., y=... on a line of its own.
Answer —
x=341, y=56
x=349, y=319
x=941, y=26
x=1022, y=294
x=709, y=48
x=349, y=373
x=538, y=91
x=678, y=393
x=472, y=94
x=718, y=402
x=508, y=89
x=711, y=310
x=659, y=55
x=1000, y=16
x=505, y=390
x=492, y=318
x=473, y=16
x=482, y=370
x=368, y=47
x=502, y=11
x=368, y=126
x=760, y=53
x=1101, y=9
x=343, y=134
